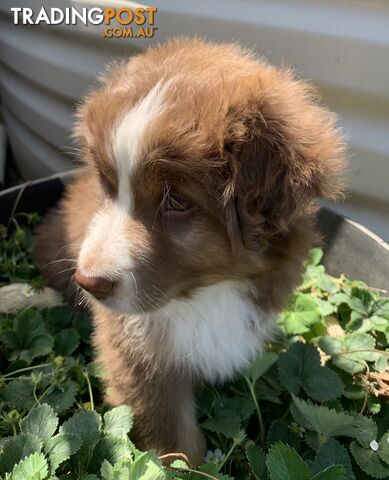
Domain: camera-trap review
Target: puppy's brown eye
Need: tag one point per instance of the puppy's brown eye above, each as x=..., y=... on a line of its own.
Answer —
x=175, y=203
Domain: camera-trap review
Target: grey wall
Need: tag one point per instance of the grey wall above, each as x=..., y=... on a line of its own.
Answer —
x=342, y=45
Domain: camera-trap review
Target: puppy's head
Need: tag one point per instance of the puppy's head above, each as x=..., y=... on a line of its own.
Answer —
x=207, y=161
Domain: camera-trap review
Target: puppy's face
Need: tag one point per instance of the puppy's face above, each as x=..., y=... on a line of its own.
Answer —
x=199, y=174
x=160, y=231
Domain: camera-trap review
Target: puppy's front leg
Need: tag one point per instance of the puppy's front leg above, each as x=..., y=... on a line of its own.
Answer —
x=162, y=399
x=165, y=417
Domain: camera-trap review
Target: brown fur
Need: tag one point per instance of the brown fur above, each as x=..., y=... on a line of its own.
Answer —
x=250, y=147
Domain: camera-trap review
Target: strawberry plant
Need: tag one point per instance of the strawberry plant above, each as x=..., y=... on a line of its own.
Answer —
x=315, y=406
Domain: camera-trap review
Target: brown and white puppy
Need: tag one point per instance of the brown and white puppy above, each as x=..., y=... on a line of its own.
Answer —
x=189, y=222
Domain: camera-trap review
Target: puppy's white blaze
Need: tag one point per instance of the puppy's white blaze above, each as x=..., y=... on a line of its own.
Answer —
x=218, y=331
x=106, y=251
x=128, y=140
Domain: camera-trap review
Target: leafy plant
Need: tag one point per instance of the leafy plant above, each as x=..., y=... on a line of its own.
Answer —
x=315, y=406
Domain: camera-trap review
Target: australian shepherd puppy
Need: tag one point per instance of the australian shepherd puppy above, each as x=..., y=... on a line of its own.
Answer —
x=188, y=224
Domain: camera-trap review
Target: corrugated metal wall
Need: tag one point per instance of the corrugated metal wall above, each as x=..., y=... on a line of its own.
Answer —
x=342, y=45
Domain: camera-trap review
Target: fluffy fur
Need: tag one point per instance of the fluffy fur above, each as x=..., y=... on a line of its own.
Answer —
x=195, y=199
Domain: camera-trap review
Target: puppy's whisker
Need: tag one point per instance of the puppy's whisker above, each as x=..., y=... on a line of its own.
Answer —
x=72, y=269
x=136, y=288
x=72, y=260
x=67, y=246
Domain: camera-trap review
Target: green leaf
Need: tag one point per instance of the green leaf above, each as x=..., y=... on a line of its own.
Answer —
x=323, y=385
x=41, y=422
x=94, y=369
x=382, y=362
x=118, y=421
x=29, y=323
x=120, y=471
x=257, y=461
x=362, y=301
x=279, y=431
x=315, y=277
x=336, y=472
x=226, y=422
x=18, y=394
x=383, y=448
x=315, y=256
x=59, y=317
x=300, y=367
x=179, y=464
x=87, y=426
x=147, y=467
x=260, y=366
x=367, y=430
x=333, y=453
x=31, y=333
x=62, y=397
x=11, y=342
x=210, y=469
x=301, y=315
x=66, y=342
x=284, y=463
x=112, y=448
x=33, y=467
x=325, y=422
x=354, y=392
x=351, y=362
x=243, y=406
x=326, y=284
x=326, y=308
x=38, y=346
x=60, y=448
x=16, y=449
x=369, y=461
x=338, y=298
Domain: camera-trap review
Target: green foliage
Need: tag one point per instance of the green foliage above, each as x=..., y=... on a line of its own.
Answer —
x=362, y=343
x=33, y=467
x=299, y=369
x=284, y=463
x=16, y=241
x=40, y=422
x=333, y=452
x=312, y=407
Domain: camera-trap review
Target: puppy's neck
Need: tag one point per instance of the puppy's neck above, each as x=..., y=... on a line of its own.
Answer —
x=215, y=332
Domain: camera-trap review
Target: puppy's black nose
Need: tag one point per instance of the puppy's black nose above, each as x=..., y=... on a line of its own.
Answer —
x=99, y=287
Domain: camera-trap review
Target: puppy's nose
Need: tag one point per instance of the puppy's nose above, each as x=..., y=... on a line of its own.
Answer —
x=99, y=287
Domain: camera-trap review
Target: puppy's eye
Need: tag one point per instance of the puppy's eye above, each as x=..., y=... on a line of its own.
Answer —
x=176, y=203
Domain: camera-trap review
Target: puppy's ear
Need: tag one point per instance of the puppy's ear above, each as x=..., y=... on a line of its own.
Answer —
x=282, y=150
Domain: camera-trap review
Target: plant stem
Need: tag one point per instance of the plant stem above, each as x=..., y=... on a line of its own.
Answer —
x=366, y=393
x=92, y=404
x=22, y=377
x=260, y=419
x=34, y=393
x=50, y=387
x=174, y=456
x=27, y=369
x=228, y=455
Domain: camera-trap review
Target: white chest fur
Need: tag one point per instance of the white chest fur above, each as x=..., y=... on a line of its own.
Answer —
x=215, y=333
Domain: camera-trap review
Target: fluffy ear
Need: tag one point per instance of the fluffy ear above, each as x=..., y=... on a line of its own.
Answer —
x=282, y=150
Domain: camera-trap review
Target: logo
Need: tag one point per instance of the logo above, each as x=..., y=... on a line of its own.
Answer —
x=137, y=22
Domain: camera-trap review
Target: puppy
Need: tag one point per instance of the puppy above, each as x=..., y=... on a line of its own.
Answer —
x=189, y=222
